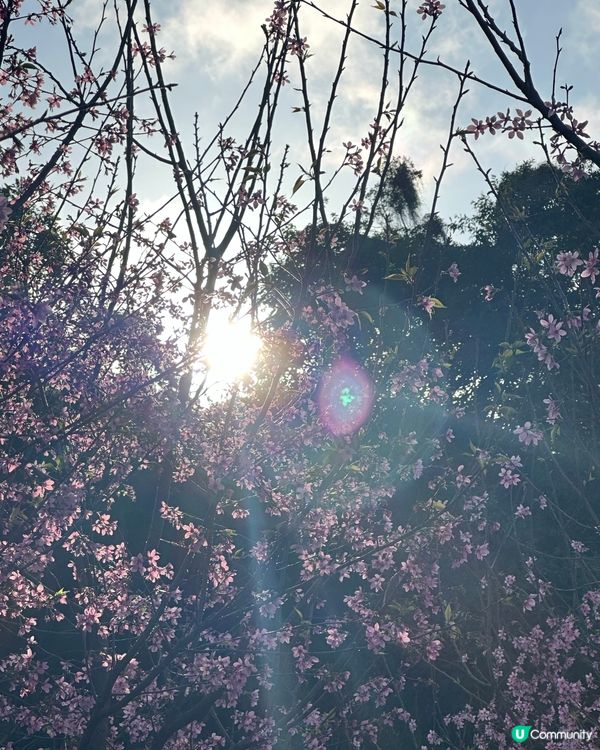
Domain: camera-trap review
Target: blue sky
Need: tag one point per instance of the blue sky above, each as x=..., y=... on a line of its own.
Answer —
x=216, y=43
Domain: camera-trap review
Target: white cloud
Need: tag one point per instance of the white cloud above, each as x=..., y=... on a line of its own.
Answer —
x=220, y=36
x=583, y=30
x=225, y=36
x=87, y=14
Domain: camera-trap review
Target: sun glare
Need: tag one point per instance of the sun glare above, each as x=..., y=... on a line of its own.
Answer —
x=230, y=348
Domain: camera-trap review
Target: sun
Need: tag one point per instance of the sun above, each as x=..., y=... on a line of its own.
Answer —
x=230, y=348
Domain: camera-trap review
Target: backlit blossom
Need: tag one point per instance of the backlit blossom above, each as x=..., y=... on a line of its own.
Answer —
x=89, y=618
x=477, y=127
x=299, y=47
x=552, y=409
x=403, y=637
x=354, y=284
x=578, y=547
x=508, y=478
x=568, y=262
x=428, y=304
x=591, y=267
x=430, y=9
x=461, y=479
x=522, y=511
x=489, y=292
x=554, y=328
x=528, y=435
x=335, y=638
x=454, y=272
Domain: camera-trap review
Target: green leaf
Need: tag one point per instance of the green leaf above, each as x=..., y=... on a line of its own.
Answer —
x=407, y=274
x=437, y=303
x=298, y=184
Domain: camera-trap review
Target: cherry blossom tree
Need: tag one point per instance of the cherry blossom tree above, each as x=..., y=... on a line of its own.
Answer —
x=343, y=549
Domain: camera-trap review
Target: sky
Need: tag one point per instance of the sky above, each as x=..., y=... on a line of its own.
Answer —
x=216, y=43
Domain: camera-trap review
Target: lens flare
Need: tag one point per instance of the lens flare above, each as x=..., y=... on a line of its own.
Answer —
x=345, y=397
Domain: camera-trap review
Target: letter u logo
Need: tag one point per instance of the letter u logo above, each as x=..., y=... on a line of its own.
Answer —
x=520, y=733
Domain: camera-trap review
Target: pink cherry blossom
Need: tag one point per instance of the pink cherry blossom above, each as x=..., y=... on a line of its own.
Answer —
x=528, y=434
x=454, y=272
x=553, y=412
x=554, y=328
x=428, y=304
x=568, y=262
x=508, y=478
x=490, y=291
x=354, y=284
x=591, y=267
x=430, y=9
